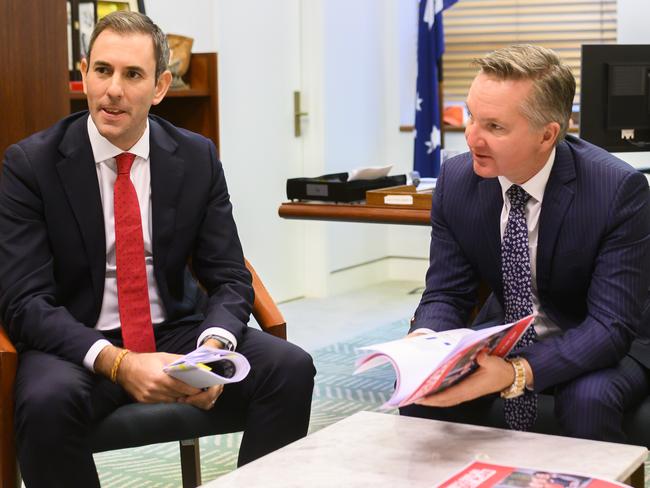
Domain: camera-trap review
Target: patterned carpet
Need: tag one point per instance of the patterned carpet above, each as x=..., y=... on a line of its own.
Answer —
x=337, y=394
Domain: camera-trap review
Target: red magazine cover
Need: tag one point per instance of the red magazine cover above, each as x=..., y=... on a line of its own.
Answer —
x=487, y=475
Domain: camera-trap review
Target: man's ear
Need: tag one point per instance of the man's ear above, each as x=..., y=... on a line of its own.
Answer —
x=162, y=85
x=550, y=134
x=84, y=72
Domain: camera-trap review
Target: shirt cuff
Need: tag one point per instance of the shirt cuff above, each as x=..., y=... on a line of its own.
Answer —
x=218, y=331
x=93, y=352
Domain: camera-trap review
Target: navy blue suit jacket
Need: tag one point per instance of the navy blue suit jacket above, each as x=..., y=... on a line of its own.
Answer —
x=52, y=243
x=593, y=258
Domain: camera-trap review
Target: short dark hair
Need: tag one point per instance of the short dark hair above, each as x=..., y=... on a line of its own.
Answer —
x=553, y=83
x=125, y=22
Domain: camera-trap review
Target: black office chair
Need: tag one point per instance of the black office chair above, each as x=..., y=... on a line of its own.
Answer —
x=135, y=424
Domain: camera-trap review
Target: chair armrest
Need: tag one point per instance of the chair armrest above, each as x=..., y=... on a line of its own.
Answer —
x=8, y=362
x=265, y=310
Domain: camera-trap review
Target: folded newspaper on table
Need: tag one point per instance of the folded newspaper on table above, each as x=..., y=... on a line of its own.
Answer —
x=207, y=366
x=487, y=475
x=430, y=362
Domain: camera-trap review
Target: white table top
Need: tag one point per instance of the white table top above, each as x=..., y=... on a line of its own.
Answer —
x=383, y=450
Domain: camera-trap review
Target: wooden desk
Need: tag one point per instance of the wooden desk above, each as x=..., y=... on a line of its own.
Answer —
x=354, y=212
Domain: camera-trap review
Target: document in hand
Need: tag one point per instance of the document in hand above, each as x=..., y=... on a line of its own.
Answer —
x=207, y=366
x=430, y=362
x=486, y=475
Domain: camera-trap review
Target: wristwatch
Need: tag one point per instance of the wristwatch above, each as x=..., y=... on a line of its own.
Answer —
x=226, y=343
x=519, y=383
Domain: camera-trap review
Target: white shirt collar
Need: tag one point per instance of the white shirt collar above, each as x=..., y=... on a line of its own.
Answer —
x=536, y=185
x=104, y=150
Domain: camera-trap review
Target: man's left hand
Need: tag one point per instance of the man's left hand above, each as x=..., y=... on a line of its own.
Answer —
x=205, y=399
x=493, y=374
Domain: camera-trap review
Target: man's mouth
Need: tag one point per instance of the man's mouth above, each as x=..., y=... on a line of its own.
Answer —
x=112, y=111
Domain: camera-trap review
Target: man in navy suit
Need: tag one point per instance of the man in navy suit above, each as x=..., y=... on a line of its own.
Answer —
x=59, y=280
x=586, y=238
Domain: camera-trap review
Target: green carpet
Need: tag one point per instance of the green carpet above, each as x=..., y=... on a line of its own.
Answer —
x=337, y=394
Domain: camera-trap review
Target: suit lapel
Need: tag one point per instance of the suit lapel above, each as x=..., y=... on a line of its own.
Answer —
x=79, y=180
x=490, y=205
x=167, y=173
x=558, y=196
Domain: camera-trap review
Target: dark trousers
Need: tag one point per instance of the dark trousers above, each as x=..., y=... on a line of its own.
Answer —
x=58, y=403
x=591, y=406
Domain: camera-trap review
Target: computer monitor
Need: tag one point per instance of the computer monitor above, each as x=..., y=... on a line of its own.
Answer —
x=615, y=96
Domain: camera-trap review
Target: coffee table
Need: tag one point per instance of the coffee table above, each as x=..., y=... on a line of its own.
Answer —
x=384, y=450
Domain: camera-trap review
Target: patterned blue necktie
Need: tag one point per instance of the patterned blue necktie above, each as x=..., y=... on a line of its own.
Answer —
x=520, y=412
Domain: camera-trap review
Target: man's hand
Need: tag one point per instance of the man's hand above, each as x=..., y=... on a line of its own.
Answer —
x=493, y=374
x=205, y=399
x=142, y=375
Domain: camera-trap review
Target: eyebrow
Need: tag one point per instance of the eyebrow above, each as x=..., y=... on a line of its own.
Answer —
x=109, y=65
x=485, y=120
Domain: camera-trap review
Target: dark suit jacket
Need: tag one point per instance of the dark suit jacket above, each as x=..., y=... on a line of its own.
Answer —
x=52, y=243
x=593, y=258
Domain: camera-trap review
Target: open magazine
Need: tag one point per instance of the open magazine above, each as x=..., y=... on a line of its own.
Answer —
x=486, y=475
x=430, y=362
x=207, y=366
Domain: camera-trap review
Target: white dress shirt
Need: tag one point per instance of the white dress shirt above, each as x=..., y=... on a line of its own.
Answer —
x=104, y=153
x=535, y=188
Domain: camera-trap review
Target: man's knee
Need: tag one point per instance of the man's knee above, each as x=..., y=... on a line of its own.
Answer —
x=591, y=407
x=50, y=402
x=296, y=366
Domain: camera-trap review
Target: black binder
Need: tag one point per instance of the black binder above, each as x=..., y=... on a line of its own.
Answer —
x=336, y=187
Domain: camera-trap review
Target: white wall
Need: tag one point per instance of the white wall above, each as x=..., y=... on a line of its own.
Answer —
x=191, y=18
x=633, y=18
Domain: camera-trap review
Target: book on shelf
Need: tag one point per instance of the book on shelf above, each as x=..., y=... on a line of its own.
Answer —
x=432, y=361
x=479, y=474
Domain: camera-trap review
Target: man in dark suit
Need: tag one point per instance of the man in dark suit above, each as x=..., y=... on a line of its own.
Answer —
x=555, y=226
x=69, y=271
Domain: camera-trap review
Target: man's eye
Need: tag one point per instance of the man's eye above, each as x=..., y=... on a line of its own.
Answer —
x=101, y=70
x=133, y=74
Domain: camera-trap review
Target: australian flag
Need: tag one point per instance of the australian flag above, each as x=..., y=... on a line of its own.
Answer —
x=431, y=45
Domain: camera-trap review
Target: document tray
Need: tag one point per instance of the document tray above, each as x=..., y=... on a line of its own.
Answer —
x=336, y=187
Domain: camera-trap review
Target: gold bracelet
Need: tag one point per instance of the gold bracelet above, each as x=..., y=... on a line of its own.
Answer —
x=519, y=383
x=116, y=364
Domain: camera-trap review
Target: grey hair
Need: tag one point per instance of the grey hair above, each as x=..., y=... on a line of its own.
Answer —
x=554, y=86
x=125, y=22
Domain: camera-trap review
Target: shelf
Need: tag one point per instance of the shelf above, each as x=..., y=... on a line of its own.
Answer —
x=77, y=95
x=354, y=212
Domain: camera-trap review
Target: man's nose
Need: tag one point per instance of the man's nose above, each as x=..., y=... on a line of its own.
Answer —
x=473, y=134
x=115, y=87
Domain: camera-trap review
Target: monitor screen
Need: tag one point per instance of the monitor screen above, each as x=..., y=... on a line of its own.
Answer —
x=615, y=96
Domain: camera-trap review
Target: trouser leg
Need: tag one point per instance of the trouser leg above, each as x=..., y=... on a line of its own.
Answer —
x=275, y=398
x=593, y=405
x=56, y=405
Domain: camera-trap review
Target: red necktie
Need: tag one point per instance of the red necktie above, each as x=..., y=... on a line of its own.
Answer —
x=132, y=289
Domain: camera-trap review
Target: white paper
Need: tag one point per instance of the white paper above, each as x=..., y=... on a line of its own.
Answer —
x=191, y=368
x=426, y=184
x=370, y=173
